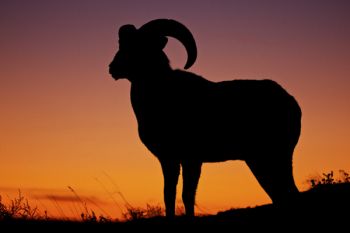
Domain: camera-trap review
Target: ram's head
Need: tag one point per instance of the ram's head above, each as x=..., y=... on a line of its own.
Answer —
x=141, y=50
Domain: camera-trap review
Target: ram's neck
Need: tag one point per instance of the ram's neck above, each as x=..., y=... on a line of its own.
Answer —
x=148, y=92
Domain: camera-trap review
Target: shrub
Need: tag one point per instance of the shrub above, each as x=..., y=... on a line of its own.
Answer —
x=133, y=213
x=329, y=179
x=19, y=208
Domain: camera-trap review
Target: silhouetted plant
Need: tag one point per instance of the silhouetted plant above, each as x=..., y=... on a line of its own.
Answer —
x=180, y=210
x=150, y=211
x=344, y=176
x=19, y=208
x=329, y=179
x=154, y=211
x=88, y=215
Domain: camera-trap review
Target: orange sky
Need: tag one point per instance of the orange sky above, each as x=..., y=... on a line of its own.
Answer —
x=65, y=122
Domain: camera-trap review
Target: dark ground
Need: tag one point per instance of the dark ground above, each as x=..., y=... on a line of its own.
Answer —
x=325, y=208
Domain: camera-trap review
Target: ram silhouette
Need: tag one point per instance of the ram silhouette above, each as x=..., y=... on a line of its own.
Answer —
x=186, y=120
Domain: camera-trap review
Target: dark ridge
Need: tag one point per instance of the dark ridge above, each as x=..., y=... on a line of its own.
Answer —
x=322, y=207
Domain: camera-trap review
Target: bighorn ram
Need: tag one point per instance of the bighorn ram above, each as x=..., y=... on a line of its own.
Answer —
x=185, y=120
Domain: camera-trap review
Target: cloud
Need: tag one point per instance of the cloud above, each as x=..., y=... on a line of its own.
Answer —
x=70, y=198
x=57, y=195
x=61, y=198
x=27, y=190
x=8, y=189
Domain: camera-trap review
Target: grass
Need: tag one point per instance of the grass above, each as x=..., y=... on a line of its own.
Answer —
x=328, y=179
x=326, y=203
x=19, y=208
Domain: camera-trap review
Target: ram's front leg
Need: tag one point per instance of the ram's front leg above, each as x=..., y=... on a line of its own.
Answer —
x=191, y=171
x=171, y=171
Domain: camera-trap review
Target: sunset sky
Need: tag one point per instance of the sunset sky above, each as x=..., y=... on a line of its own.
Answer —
x=65, y=122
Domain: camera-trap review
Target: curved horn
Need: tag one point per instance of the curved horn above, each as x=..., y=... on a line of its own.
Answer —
x=172, y=28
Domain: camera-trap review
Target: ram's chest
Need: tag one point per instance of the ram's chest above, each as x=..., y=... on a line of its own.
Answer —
x=151, y=107
x=163, y=116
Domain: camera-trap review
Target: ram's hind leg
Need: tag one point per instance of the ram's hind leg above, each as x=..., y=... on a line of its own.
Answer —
x=274, y=173
x=191, y=172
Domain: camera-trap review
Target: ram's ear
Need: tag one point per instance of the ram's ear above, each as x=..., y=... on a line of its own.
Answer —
x=127, y=33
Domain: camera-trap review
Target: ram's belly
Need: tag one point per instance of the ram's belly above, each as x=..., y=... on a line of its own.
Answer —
x=204, y=145
x=214, y=142
x=195, y=150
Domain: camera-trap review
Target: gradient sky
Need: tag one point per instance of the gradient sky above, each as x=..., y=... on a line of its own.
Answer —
x=65, y=122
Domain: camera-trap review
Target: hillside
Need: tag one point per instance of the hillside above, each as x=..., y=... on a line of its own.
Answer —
x=322, y=207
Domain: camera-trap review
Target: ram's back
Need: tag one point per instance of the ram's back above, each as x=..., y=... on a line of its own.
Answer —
x=217, y=121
